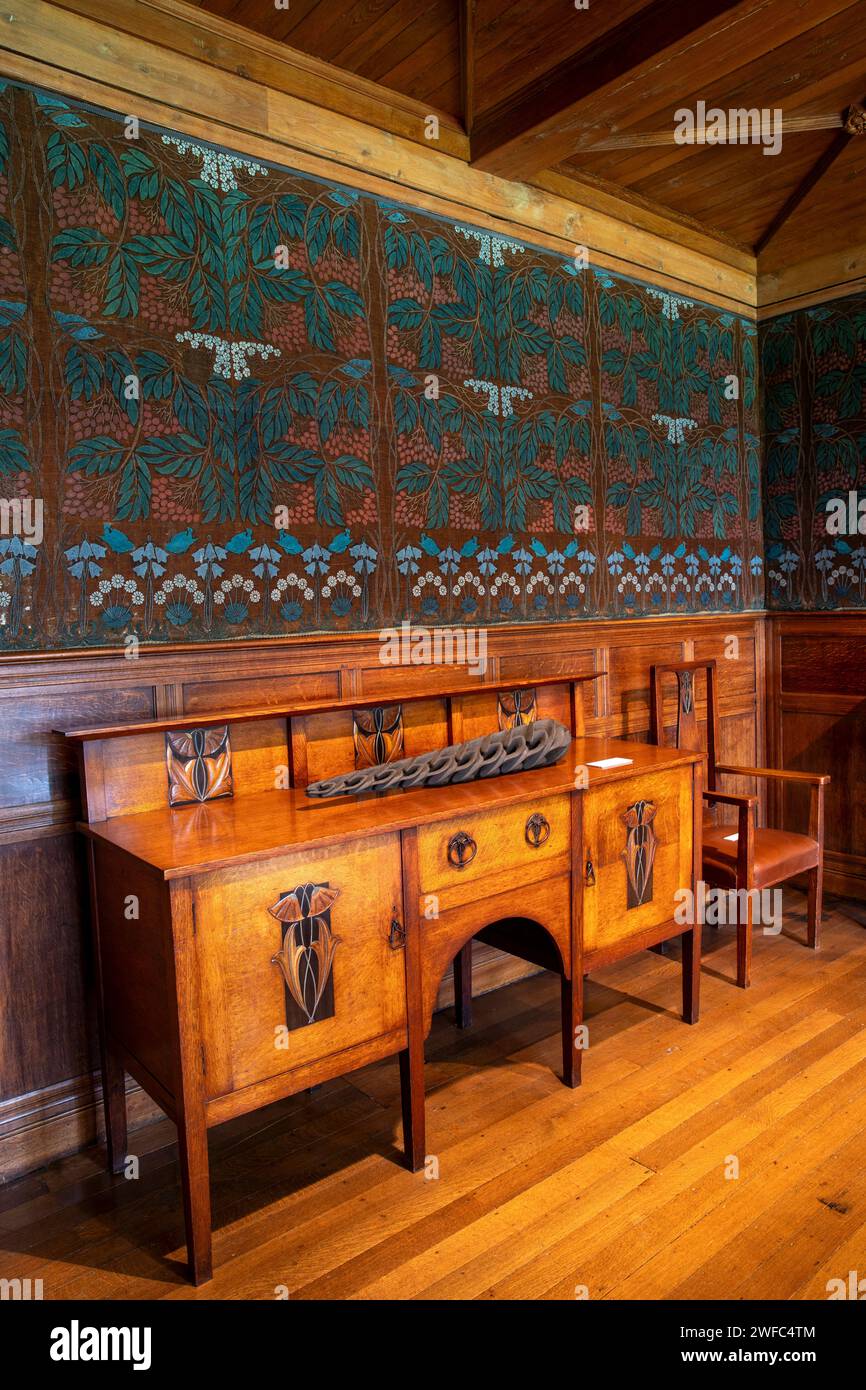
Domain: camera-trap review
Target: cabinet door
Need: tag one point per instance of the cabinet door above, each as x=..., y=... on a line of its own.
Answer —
x=637, y=838
x=294, y=959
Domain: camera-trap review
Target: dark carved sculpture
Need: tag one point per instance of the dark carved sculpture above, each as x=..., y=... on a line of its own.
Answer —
x=199, y=765
x=377, y=734
x=509, y=750
x=640, y=851
x=516, y=707
x=306, y=956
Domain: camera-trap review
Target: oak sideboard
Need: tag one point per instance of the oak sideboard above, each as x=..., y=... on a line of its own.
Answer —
x=252, y=941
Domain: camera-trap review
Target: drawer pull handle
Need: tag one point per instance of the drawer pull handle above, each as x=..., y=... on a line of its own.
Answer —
x=537, y=830
x=462, y=849
x=590, y=871
x=397, y=934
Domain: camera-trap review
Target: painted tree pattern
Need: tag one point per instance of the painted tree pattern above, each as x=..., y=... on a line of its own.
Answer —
x=814, y=364
x=255, y=403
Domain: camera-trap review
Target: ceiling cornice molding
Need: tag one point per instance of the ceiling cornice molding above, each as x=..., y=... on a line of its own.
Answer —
x=815, y=281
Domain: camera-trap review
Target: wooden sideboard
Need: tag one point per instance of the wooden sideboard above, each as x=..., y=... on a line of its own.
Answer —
x=253, y=941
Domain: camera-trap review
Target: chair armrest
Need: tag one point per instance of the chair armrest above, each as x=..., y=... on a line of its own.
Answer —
x=814, y=778
x=730, y=798
x=745, y=831
x=816, y=781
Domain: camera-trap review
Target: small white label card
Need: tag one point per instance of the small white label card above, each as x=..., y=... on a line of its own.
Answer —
x=735, y=836
x=606, y=763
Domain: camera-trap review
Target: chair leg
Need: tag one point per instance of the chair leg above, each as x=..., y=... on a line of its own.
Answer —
x=744, y=948
x=815, y=905
x=463, y=986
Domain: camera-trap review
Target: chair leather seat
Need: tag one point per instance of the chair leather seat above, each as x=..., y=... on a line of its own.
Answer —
x=779, y=854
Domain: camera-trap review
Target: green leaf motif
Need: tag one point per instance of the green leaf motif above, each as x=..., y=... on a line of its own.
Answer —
x=175, y=207
x=343, y=299
x=118, y=371
x=109, y=178
x=83, y=372
x=189, y=407
x=318, y=322
x=316, y=231
x=13, y=363
x=80, y=246
x=96, y=456
x=13, y=452
x=162, y=256
x=155, y=375
x=133, y=503
x=67, y=161
x=142, y=179
x=122, y=286
x=175, y=455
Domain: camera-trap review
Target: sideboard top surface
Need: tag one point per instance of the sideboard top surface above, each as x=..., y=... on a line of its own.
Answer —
x=219, y=834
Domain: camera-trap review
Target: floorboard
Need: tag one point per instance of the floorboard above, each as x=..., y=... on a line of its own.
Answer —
x=727, y=1160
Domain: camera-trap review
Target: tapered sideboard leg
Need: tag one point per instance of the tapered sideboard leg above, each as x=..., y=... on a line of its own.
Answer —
x=113, y=1075
x=195, y=1180
x=463, y=986
x=412, y=1057
x=572, y=1017
x=412, y=1097
x=691, y=943
x=114, y=1105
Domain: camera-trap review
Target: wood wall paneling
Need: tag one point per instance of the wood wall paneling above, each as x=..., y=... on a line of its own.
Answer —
x=817, y=698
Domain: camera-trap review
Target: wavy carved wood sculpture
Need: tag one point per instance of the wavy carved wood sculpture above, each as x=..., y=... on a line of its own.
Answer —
x=508, y=750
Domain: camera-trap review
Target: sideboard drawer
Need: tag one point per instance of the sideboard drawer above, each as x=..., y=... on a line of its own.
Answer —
x=486, y=845
x=637, y=852
x=295, y=961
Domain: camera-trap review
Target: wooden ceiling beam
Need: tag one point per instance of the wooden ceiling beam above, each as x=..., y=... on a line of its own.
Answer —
x=226, y=46
x=537, y=128
x=855, y=124
x=467, y=63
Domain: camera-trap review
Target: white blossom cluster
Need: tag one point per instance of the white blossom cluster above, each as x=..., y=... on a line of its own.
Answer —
x=237, y=581
x=676, y=426
x=217, y=168
x=230, y=359
x=341, y=577
x=671, y=303
x=490, y=247
x=107, y=586
x=499, y=398
x=164, y=592
x=292, y=581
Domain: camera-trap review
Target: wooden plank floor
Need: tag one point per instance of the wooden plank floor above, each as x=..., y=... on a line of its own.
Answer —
x=722, y=1161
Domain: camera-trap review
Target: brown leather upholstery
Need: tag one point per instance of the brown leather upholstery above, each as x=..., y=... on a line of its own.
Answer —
x=778, y=855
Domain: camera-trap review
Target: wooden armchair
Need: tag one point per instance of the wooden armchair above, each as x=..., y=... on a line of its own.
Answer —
x=752, y=857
